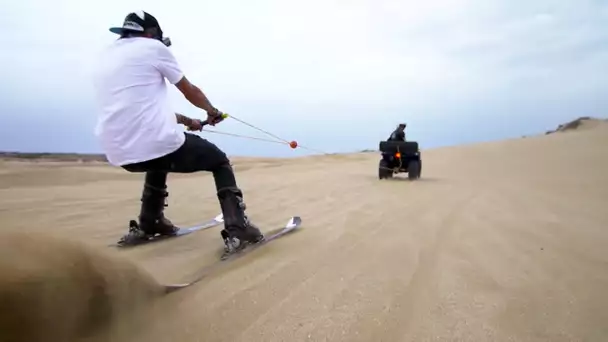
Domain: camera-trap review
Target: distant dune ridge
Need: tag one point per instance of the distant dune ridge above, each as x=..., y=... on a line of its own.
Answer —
x=87, y=158
x=50, y=156
x=499, y=241
x=582, y=122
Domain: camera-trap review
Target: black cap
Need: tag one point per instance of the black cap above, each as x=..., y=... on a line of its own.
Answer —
x=138, y=21
x=402, y=125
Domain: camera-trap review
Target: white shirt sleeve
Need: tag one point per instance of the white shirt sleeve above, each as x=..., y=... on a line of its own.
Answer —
x=167, y=64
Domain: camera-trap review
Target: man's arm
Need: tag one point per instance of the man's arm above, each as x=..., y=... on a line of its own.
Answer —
x=182, y=119
x=170, y=69
x=191, y=124
x=193, y=94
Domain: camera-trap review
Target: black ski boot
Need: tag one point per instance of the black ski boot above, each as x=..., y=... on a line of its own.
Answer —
x=238, y=231
x=152, y=221
x=134, y=236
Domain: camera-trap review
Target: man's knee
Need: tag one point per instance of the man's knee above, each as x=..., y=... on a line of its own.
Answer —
x=224, y=176
x=219, y=156
x=225, y=164
x=223, y=168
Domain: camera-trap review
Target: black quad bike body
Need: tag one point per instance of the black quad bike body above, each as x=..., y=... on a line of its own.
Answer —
x=399, y=157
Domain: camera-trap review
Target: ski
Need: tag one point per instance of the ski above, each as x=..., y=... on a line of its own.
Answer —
x=219, y=219
x=293, y=223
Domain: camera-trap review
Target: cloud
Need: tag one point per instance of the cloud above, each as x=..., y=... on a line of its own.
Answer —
x=311, y=68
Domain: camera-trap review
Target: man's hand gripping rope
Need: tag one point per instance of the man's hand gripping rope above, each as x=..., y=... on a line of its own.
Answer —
x=213, y=118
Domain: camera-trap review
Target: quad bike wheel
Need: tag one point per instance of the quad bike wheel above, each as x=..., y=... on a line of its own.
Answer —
x=414, y=169
x=384, y=171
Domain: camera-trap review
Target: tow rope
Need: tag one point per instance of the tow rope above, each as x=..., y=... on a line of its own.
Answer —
x=293, y=144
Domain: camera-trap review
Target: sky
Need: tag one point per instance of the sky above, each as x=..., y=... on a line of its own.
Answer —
x=337, y=76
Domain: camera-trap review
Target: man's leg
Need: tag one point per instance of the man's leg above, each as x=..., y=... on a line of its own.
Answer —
x=153, y=202
x=198, y=154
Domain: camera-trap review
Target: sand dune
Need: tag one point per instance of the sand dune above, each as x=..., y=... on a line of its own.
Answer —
x=57, y=290
x=501, y=241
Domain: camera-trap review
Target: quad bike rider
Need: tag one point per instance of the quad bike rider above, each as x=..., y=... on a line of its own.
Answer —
x=398, y=134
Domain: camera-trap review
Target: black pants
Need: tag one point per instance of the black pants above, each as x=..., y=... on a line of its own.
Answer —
x=196, y=154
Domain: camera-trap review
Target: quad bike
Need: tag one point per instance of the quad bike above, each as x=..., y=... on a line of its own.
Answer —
x=398, y=157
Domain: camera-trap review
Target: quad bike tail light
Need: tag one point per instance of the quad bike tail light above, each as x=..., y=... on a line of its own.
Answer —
x=398, y=155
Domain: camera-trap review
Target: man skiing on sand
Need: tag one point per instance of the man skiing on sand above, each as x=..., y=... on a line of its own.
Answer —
x=138, y=132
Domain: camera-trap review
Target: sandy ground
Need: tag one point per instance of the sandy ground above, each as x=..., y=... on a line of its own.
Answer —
x=503, y=241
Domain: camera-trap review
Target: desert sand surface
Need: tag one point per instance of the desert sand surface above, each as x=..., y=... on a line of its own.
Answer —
x=500, y=241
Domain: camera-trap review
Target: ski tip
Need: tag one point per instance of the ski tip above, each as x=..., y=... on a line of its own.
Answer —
x=219, y=218
x=175, y=287
x=294, y=222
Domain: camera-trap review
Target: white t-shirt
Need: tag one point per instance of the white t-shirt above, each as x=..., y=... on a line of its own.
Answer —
x=135, y=122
